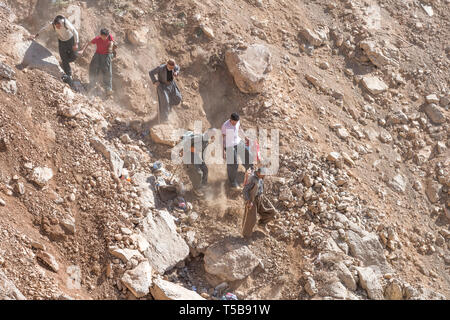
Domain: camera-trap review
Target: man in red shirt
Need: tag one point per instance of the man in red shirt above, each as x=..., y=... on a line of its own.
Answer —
x=101, y=62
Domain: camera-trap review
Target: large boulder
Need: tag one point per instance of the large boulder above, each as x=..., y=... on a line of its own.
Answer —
x=115, y=162
x=139, y=279
x=368, y=249
x=249, y=67
x=166, y=290
x=30, y=54
x=165, y=134
x=369, y=281
x=230, y=260
x=166, y=246
x=145, y=190
x=138, y=37
x=8, y=290
x=374, y=84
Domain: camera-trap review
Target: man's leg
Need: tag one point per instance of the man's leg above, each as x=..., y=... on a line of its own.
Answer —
x=244, y=155
x=249, y=220
x=93, y=70
x=107, y=72
x=164, y=106
x=63, y=54
x=204, y=170
x=175, y=94
x=266, y=210
x=232, y=165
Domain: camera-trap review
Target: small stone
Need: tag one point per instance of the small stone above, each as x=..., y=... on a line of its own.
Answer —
x=2, y=202
x=207, y=31
x=432, y=98
x=37, y=245
x=48, y=260
x=374, y=84
x=125, y=138
x=334, y=156
x=310, y=287
x=41, y=175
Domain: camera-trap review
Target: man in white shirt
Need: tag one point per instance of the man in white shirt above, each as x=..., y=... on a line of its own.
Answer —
x=234, y=146
x=67, y=43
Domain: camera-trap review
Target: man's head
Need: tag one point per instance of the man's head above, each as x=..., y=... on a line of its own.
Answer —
x=58, y=21
x=104, y=33
x=170, y=64
x=234, y=118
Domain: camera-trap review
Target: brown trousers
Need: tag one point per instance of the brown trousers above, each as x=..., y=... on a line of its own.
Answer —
x=266, y=212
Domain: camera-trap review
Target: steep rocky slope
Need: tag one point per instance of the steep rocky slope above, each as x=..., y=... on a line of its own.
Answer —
x=358, y=89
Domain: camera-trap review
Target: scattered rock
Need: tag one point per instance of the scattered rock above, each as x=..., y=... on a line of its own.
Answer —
x=432, y=98
x=7, y=72
x=374, y=53
x=68, y=224
x=138, y=37
x=310, y=287
x=432, y=191
x=125, y=254
x=165, y=290
x=165, y=134
x=41, y=175
x=393, y=291
x=8, y=291
x=334, y=156
x=207, y=31
x=434, y=113
x=114, y=160
x=166, y=246
x=2, y=202
x=70, y=111
x=369, y=281
x=9, y=86
x=374, y=84
x=398, y=183
x=249, y=67
x=230, y=260
x=346, y=276
x=368, y=249
x=139, y=279
x=48, y=260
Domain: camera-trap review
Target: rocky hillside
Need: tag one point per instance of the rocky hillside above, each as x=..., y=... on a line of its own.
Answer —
x=359, y=93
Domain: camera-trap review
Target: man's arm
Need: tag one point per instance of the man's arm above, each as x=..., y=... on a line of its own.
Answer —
x=152, y=74
x=85, y=46
x=176, y=71
x=45, y=28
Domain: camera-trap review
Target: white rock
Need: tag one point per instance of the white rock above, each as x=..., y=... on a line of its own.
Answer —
x=68, y=224
x=432, y=98
x=165, y=290
x=138, y=37
x=334, y=156
x=346, y=276
x=207, y=31
x=115, y=162
x=166, y=246
x=2, y=202
x=398, y=183
x=165, y=134
x=139, y=279
x=8, y=291
x=9, y=86
x=41, y=175
x=249, y=67
x=310, y=287
x=141, y=242
x=125, y=254
x=230, y=260
x=369, y=281
x=48, y=260
x=374, y=84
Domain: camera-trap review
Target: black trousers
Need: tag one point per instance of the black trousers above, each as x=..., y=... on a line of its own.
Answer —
x=67, y=54
x=232, y=154
x=198, y=173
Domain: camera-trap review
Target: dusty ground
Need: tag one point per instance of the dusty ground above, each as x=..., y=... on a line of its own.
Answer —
x=305, y=114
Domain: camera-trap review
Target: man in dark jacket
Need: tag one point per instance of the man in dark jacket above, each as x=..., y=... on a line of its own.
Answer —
x=197, y=169
x=256, y=202
x=168, y=93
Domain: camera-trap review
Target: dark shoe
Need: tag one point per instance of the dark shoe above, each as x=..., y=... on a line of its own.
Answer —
x=67, y=79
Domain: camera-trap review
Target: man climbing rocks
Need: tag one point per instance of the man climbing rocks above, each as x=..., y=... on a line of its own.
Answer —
x=101, y=63
x=234, y=146
x=67, y=43
x=197, y=169
x=256, y=202
x=168, y=93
